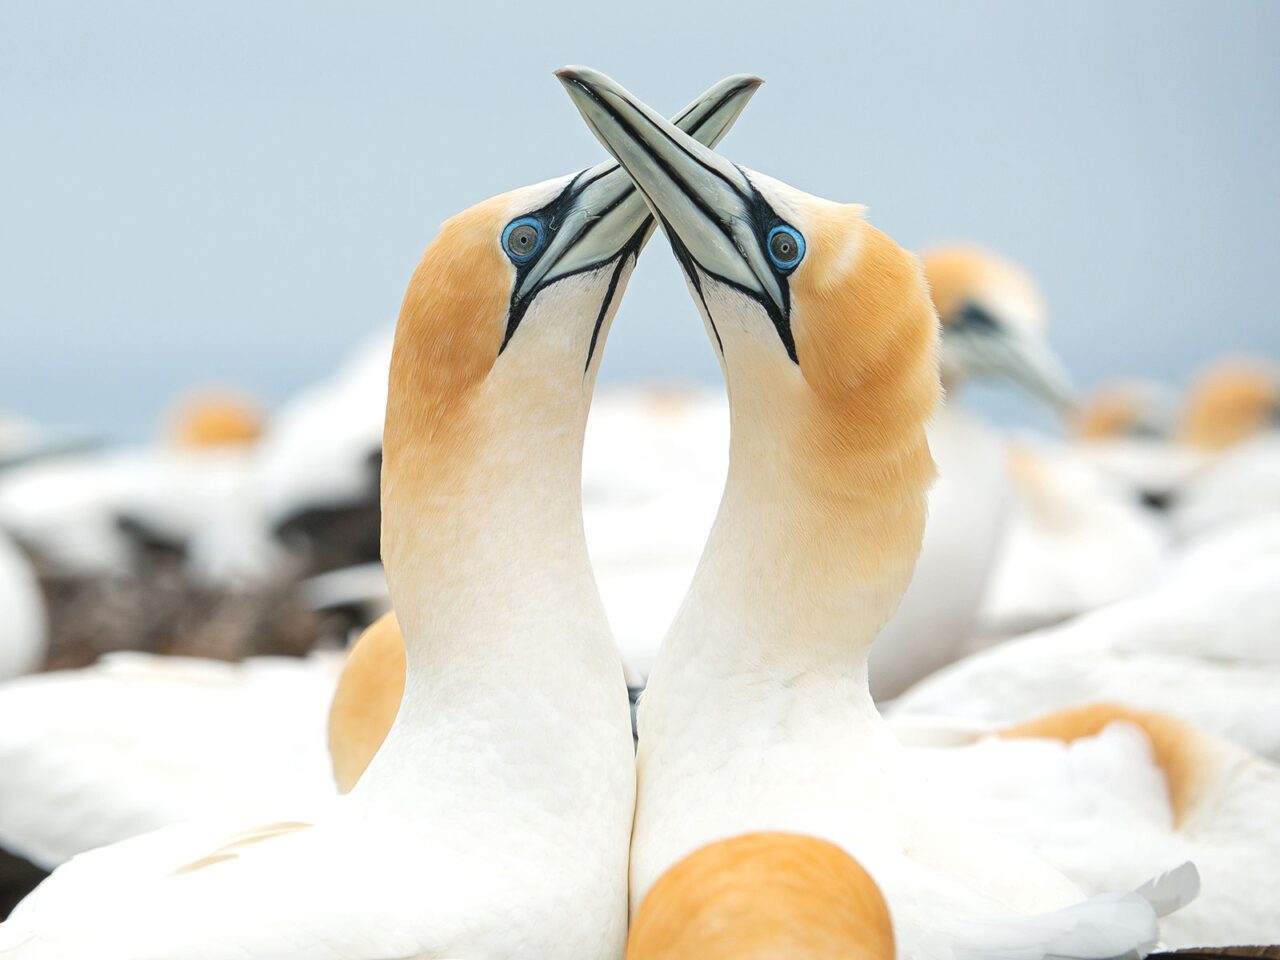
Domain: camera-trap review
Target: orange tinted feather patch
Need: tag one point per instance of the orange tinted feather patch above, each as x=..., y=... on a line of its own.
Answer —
x=367, y=700
x=447, y=339
x=227, y=852
x=1230, y=402
x=216, y=418
x=958, y=275
x=1176, y=747
x=1106, y=414
x=866, y=337
x=764, y=896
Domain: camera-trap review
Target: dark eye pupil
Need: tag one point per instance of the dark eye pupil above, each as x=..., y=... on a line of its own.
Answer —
x=784, y=248
x=522, y=239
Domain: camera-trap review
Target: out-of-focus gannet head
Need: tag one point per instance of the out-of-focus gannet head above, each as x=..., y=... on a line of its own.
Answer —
x=762, y=896
x=993, y=324
x=1230, y=401
x=215, y=418
x=1130, y=409
x=826, y=334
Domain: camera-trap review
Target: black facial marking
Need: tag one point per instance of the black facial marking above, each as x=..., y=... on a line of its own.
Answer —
x=690, y=268
x=762, y=217
x=974, y=317
x=632, y=247
x=551, y=217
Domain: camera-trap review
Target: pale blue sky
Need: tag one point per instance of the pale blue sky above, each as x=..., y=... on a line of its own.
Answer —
x=238, y=191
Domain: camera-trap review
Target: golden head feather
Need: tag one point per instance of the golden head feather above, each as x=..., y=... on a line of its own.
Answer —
x=969, y=274
x=216, y=418
x=762, y=896
x=1231, y=401
x=866, y=336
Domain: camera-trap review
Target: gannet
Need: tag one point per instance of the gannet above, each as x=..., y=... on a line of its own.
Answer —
x=318, y=462
x=1230, y=401
x=1125, y=408
x=1109, y=795
x=993, y=326
x=1214, y=462
x=1203, y=644
x=495, y=821
x=1078, y=539
x=1232, y=418
x=140, y=741
x=1126, y=430
x=216, y=418
x=79, y=512
x=761, y=896
x=757, y=715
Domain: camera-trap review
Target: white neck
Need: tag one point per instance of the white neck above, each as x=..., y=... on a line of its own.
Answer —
x=792, y=586
x=759, y=690
x=512, y=675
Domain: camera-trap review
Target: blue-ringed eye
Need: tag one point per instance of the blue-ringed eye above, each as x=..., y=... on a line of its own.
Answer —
x=786, y=247
x=522, y=239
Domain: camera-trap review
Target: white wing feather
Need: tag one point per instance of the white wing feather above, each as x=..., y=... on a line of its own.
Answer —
x=1106, y=927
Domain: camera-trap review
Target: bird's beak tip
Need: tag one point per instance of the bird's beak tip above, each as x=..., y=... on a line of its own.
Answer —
x=573, y=74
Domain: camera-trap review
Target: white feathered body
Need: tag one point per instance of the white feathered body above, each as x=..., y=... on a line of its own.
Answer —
x=1204, y=646
x=811, y=768
x=137, y=742
x=1100, y=810
x=342, y=884
x=1077, y=541
x=1239, y=483
x=71, y=509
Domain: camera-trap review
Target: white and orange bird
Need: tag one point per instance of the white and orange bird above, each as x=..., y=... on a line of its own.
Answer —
x=495, y=820
x=1231, y=400
x=758, y=715
x=1203, y=644
x=1109, y=795
x=1077, y=540
x=1232, y=419
x=994, y=323
x=1201, y=640
x=1211, y=462
x=192, y=489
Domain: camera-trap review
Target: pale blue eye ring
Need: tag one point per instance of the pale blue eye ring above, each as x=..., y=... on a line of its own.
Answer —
x=786, y=247
x=522, y=239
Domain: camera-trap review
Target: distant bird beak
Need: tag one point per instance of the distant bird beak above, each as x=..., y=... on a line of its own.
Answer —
x=1035, y=367
x=978, y=346
x=703, y=200
x=604, y=216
